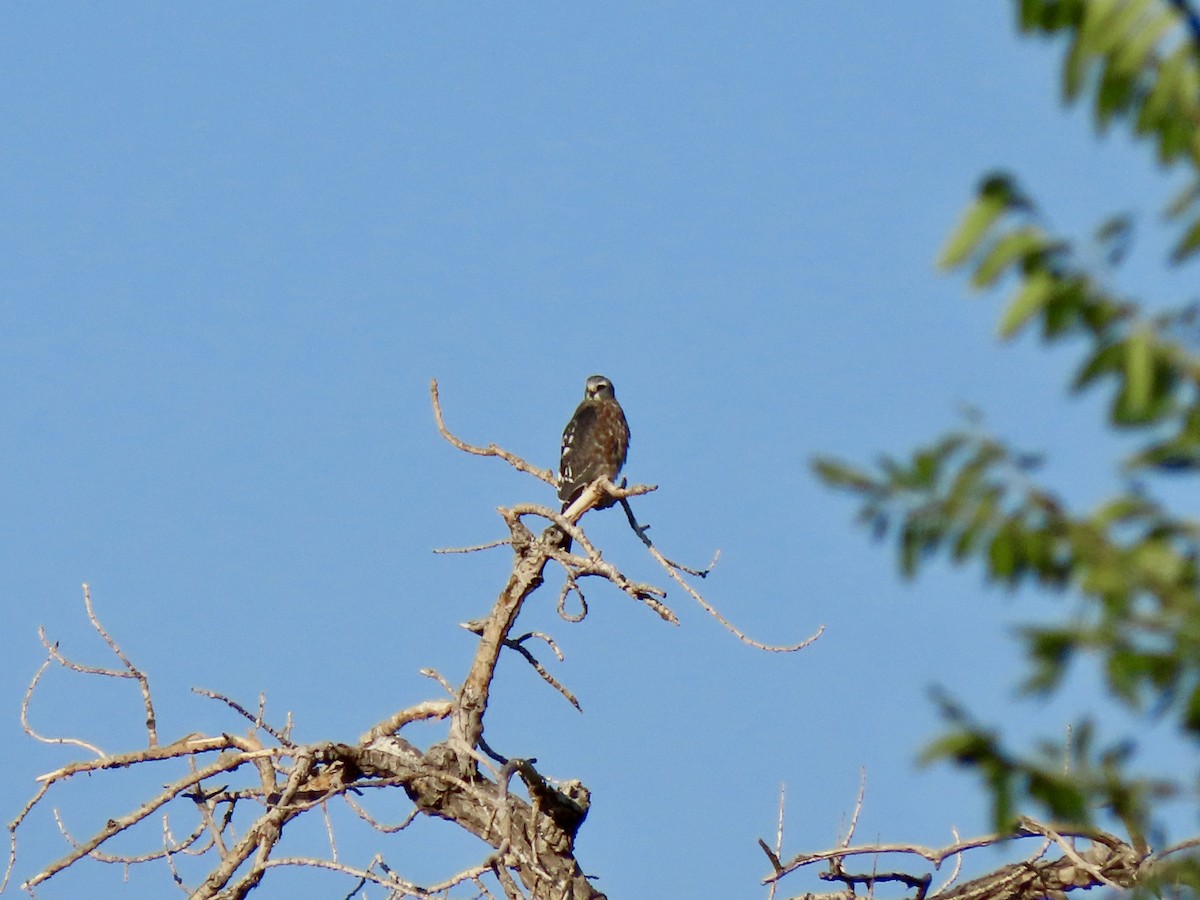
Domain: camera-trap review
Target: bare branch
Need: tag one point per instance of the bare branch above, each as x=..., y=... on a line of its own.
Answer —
x=256, y=718
x=188, y=745
x=571, y=586
x=491, y=450
x=673, y=572
x=430, y=709
x=131, y=670
x=27, y=728
x=958, y=860
x=375, y=823
x=531, y=840
x=1180, y=847
x=640, y=531
x=1118, y=854
x=778, y=839
x=116, y=826
x=546, y=676
x=503, y=542
x=858, y=804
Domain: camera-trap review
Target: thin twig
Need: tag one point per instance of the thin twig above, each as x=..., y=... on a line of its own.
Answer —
x=375, y=823
x=491, y=450
x=546, y=676
x=778, y=837
x=27, y=728
x=571, y=586
x=134, y=672
x=937, y=855
x=958, y=860
x=257, y=718
x=729, y=626
x=858, y=804
x=640, y=531
x=475, y=549
x=117, y=825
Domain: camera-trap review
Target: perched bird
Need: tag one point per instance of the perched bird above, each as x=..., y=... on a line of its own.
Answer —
x=595, y=441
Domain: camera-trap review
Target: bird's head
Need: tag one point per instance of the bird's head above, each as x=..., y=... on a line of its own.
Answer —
x=597, y=386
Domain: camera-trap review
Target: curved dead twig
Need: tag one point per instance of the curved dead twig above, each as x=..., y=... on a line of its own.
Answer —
x=640, y=531
x=129, y=671
x=571, y=586
x=376, y=824
x=546, y=676
x=602, y=491
x=28, y=729
x=1180, y=847
x=517, y=644
x=674, y=575
x=491, y=450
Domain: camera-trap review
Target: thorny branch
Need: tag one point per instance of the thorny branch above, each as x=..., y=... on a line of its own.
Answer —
x=239, y=792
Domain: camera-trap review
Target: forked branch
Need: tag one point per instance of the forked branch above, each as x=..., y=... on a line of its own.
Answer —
x=239, y=793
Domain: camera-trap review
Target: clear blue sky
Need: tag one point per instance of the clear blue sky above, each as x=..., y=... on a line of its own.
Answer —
x=237, y=241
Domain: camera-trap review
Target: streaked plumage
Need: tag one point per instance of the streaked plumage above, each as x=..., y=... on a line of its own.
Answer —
x=595, y=441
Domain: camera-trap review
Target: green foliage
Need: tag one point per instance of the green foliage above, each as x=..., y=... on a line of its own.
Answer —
x=1155, y=368
x=970, y=498
x=1138, y=62
x=1066, y=782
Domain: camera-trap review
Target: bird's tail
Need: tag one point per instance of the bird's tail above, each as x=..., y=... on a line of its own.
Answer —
x=565, y=543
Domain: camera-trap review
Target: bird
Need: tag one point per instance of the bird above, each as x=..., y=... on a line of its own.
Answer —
x=595, y=441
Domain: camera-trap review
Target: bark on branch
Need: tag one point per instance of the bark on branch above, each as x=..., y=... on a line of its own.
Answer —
x=240, y=793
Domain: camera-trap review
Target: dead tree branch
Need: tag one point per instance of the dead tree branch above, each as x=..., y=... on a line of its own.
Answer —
x=239, y=793
x=1108, y=861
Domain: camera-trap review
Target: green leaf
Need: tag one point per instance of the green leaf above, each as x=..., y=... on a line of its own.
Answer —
x=1191, y=716
x=1107, y=359
x=997, y=195
x=1074, y=69
x=1051, y=650
x=1185, y=199
x=1139, y=372
x=1132, y=55
x=1121, y=27
x=1037, y=290
x=1002, y=554
x=1188, y=244
x=1014, y=246
x=962, y=747
x=1096, y=18
x=1121, y=509
x=838, y=474
x=1064, y=800
x=1168, y=456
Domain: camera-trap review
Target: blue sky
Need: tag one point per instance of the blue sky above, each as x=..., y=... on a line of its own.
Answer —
x=237, y=242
